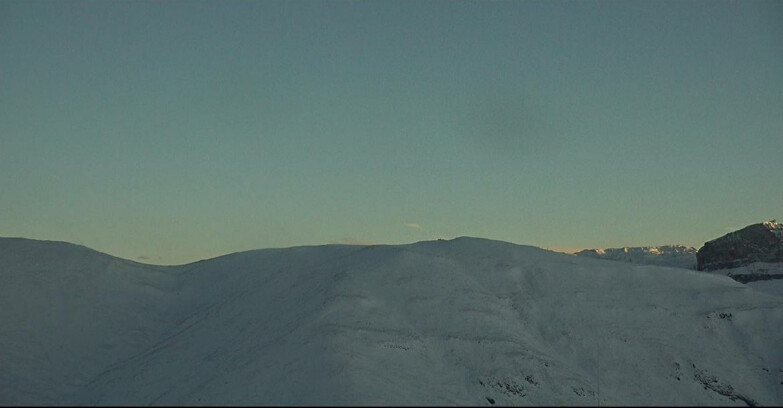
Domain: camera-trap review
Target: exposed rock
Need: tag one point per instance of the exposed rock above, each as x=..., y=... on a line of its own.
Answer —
x=751, y=277
x=755, y=243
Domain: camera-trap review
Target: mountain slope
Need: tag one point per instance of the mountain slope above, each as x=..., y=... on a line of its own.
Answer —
x=762, y=242
x=66, y=311
x=466, y=321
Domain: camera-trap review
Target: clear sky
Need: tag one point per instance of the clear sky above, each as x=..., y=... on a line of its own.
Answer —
x=172, y=131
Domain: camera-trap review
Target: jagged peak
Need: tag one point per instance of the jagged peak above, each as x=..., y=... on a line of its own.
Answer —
x=773, y=226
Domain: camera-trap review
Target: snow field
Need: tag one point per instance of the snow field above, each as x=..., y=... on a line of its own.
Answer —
x=464, y=322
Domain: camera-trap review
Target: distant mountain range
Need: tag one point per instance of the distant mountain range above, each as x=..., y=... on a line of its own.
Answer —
x=749, y=254
x=677, y=256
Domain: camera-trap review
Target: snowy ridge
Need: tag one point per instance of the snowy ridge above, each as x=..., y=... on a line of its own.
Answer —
x=677, y=256
x=461, y=322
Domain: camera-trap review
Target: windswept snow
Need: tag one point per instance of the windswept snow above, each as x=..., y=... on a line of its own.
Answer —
x=461, y=322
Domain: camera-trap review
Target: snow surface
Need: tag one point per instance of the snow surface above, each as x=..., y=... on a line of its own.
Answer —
x=675, y=256
x=459, y=322
x=766, y=276
x=774, y=287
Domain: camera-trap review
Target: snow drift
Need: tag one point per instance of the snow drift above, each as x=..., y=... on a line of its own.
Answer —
x=461, y=322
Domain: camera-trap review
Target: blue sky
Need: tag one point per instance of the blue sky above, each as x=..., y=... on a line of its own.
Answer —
x=175, y=131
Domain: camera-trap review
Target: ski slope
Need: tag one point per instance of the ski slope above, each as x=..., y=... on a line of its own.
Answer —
x=462, y=322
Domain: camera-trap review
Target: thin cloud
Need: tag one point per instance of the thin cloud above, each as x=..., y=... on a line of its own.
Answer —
x=352, y=241
x=148, y=259
x=413, y=225
x=565, y=250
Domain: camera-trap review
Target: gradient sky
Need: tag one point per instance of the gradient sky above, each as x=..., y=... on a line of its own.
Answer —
x=172, y=131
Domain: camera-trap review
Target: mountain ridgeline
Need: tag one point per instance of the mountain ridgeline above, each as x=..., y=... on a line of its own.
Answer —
x=677, y=256
x=761, y=242
x=750, y=254
x=460, y=322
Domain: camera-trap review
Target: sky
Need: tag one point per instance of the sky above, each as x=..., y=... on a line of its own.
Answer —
x=168, y=132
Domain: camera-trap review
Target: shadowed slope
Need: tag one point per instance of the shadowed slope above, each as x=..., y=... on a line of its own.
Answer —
x=464, y=321
x=66, y=311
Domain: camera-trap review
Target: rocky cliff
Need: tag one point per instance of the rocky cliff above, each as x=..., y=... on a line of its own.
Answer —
x=755, y=243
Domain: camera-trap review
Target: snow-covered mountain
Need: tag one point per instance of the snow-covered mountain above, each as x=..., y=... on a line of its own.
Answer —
x=461, y=322
x=676, y=256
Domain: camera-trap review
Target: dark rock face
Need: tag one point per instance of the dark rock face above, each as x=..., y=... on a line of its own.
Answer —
x=750, y=277
x=755, y=243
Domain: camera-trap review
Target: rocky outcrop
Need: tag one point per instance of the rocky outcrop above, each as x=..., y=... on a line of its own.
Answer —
x=753, y=277
x=755, y=243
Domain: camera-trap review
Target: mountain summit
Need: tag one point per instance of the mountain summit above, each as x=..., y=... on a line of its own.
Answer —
x=761, y=242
